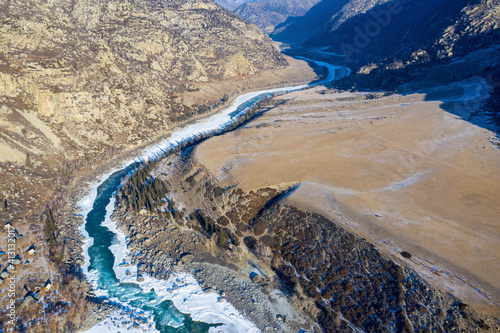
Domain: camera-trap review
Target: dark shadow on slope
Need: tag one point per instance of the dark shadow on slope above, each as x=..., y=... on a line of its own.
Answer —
x=407, y=46
x=436, y=65
x=296, y=30
x=425, y=77
x=486, y=115
x=394, y=27
x=391, y=29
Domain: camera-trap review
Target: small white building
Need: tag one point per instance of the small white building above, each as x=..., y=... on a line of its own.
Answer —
x=48, y=285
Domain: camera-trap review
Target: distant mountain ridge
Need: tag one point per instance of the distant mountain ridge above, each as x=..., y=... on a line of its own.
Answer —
x=373, y=30
x=391, y=43
x=231, y=5
x=267, y=14
x=323, y=17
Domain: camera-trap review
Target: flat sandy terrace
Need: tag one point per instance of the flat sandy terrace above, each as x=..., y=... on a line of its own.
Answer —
x=398, y=170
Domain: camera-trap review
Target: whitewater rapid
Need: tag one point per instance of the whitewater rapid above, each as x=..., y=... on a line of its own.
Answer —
x=182, y=289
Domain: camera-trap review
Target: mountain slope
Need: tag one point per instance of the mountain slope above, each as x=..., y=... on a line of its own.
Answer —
x=397, y=27
x=319, y=19
x=267, y=14
x=388, y=43
x=380, y=28
x=102, y=70
x=230, y=4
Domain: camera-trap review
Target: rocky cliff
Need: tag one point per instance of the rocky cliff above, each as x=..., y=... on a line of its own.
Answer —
x=82, y=74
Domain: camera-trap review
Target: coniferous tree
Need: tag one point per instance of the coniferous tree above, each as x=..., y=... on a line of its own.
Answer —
x=50, y=228
x=222, y=237
x=27, y=161
x=236, y=240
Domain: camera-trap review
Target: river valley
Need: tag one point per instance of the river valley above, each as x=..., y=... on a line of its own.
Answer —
x=157, y=303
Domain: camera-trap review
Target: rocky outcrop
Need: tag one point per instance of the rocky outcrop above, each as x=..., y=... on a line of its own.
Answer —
x=77, y=76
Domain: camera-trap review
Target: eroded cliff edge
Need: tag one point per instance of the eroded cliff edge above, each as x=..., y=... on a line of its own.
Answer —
x=233, y=219
x=247, y=244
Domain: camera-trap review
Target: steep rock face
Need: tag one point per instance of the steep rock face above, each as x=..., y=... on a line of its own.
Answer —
x=267, y=14
x=82, y=74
